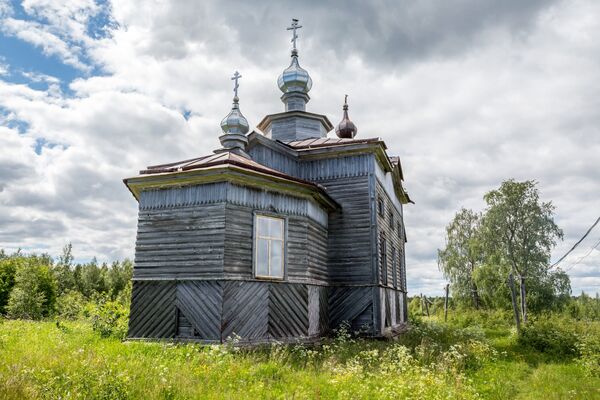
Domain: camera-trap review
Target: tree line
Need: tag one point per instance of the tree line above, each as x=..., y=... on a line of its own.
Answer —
x=36, y=286
x=500, y=257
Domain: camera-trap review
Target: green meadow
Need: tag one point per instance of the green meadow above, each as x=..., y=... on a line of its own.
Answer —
x=475, y=355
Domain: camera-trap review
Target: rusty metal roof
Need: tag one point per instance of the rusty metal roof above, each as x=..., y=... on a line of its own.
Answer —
x=224, y=158
x=206, y=161
x=327, y=142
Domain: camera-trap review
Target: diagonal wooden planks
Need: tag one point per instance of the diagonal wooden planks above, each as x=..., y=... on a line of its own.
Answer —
x=245, y=310
x=288, y=310
x=348, y=304
x=153, y=313
x=201, y=303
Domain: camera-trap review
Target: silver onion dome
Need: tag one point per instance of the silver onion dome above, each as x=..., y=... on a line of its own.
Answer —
x=294, y=78
x=235, y=122
x=234, y=125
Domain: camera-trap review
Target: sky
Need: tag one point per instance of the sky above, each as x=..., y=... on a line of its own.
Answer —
x=467, y=92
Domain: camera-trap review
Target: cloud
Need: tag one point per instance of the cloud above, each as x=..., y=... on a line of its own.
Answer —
x=468, y=93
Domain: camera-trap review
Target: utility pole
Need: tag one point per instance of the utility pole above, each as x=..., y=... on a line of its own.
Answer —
x=446, y=303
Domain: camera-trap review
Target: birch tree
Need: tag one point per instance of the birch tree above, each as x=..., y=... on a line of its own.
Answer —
x=462, y=255
x=520, y=231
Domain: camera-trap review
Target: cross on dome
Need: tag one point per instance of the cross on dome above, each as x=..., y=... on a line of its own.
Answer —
x=236, y=76
x=293, y=28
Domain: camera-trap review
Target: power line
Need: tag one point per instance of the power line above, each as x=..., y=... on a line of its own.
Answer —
x=570, y=267
x=576, y=244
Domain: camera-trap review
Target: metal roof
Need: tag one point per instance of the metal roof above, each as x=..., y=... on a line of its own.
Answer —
x=224, y=158
x=327, y=142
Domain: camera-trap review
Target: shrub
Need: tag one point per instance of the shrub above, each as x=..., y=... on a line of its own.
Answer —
x=8, y=269
x=551, y=335
x=70, y=304
x=34, y=293
x=109, y=318
x=488, y=319
x=589, y=348
x=443, y=335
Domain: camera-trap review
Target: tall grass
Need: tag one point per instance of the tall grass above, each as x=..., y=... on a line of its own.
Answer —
x=433, y=360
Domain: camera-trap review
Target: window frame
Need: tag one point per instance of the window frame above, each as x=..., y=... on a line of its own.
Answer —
x=381, y=207
x=384, y=259
x=394, y=267
x=256, y=237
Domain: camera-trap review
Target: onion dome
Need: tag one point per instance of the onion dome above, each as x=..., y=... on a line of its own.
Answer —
x=234, y=125
x=235, y=122
x=294, y=78
x=346, y=128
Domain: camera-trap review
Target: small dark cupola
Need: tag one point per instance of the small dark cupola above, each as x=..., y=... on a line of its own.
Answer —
x=234, y=125
x=346, y=128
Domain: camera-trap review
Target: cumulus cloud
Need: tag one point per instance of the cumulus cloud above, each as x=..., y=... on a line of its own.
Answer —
x=468, y=93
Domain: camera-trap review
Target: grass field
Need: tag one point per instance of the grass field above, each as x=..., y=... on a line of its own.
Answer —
x=434, y=361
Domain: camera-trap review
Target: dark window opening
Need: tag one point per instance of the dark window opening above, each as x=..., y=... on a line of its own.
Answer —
x=384, y=266
x=392, y=220
x=394, y=268
x=388, y=312
x=380, y=207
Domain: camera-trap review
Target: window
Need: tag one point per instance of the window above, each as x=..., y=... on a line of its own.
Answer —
x=394, y=267
x=399, y=231
x=392, y=220
x=401, y=271
x=380, y=207
x=269, y=247
x=384, y=267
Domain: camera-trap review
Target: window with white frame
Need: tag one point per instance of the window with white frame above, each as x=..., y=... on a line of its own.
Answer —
x=269, y=247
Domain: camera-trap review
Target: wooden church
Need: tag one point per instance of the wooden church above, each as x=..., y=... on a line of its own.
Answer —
x=281, y=235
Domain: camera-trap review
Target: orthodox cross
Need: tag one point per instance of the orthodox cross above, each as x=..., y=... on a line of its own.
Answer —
x=236, y=76
x=293, y=28
x=345, y=99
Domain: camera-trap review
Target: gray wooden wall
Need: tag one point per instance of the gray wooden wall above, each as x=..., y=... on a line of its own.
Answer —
x=221, y=310
x=393, y=293
x=193, y=266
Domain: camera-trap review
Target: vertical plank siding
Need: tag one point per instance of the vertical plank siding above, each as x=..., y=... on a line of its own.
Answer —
x=394, y=296
x=318, y=310
x=275, y=160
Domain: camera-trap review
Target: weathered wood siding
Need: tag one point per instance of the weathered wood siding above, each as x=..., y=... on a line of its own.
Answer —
x=218, y=311
x=393, y=237
x=275, y=160
x=193, y=273
x=392, y=296
x=153, y=313
x=351, y=247
x=180, y=242
x=296, y=128
x=306, y=253
x=352, y=305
